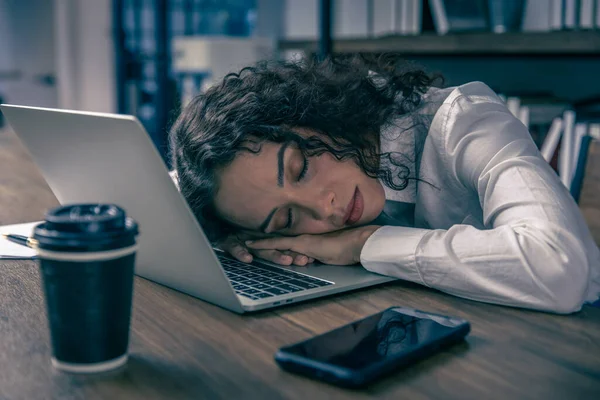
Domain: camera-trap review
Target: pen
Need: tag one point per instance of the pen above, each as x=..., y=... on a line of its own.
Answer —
x=19, y=239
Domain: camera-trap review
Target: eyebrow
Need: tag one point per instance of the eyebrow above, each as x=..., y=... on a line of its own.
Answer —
x=280, y=175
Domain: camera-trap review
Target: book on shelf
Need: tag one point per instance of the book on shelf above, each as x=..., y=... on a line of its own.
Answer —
x=556, y=15
x=536, y=112
x=559, y=132
x=567, y=144
x=410, y=17
x=542, y=109
x=524, y=115
x=581, y=129
x=440, y=20
x=459, y=16
x=300, y=19
x=550, y=143
x=571, y=14
x=514, y=104
x=350, y=19
x=397, y=17
x=580, y=167
x=536, y=16
x=383, y=17
x=594, y=130
x=566, y=147
x=586, y=14
x=353, y=19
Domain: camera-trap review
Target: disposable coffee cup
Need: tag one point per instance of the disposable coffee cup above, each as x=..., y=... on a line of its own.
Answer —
x=86, y=255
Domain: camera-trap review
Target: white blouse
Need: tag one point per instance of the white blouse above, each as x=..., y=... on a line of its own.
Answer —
x=492, y=221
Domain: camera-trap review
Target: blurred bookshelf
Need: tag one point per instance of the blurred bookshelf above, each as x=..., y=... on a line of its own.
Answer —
x=553, y=44
x=589, y=203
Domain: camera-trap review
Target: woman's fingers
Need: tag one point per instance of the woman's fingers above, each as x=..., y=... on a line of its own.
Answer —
x=274, y=256
x=301, y=260
x=278, y=243
x=283, y=257
x=234, y=247
x=238, y=251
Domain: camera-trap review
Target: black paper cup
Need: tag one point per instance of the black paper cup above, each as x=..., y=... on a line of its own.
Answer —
x=86, y=255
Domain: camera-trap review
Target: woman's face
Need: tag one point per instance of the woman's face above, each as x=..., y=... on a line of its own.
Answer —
x=280, y=191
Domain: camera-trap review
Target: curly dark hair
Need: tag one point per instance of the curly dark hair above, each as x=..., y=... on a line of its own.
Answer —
x=347, y=99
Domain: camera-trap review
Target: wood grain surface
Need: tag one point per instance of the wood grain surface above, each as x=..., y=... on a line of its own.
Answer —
x=183, y=348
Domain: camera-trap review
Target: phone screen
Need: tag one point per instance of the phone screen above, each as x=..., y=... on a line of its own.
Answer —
x=376, y=338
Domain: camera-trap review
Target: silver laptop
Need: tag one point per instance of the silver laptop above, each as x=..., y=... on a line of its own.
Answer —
x=94, y=157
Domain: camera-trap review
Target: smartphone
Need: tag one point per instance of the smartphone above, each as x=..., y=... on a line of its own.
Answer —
x=359, y=353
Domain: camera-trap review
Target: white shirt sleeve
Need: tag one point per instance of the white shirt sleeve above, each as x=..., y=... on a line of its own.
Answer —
x=537, y=252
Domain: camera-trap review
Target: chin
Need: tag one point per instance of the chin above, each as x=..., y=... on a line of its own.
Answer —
x=374, y=204
x=367, y=219
x=371, y=213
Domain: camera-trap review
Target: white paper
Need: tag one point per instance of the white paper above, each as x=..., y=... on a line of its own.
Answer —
x=8, y=248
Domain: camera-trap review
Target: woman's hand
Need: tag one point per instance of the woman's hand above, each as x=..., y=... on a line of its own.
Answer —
x=338, y=248
x=234, y=245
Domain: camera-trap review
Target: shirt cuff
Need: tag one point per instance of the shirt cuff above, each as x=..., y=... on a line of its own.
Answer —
x=391, y=251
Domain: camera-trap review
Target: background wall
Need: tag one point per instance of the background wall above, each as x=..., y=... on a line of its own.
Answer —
x=71, y=41
x=569, y=78
x=85, y=55
x=62, y=50
x=27, y=48
x=6, y=57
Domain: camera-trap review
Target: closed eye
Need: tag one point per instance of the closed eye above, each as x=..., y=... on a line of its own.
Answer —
x=304, y=169
x=290, y=219
x=301, y=176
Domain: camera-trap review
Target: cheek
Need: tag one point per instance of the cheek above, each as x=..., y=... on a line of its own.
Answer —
x=374, y=197
x=344, y=175
x=312, y=226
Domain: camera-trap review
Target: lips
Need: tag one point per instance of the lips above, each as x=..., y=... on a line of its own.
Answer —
x=355, y=209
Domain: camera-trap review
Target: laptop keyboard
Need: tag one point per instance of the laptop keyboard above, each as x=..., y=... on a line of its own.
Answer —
x=262, y=281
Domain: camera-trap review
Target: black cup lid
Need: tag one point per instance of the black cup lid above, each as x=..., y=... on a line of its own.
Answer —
x=86, y=227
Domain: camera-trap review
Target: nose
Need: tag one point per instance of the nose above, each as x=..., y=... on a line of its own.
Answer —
x=324, y=205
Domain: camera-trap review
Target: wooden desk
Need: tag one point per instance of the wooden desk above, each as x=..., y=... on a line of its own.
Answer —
x=184, y=348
